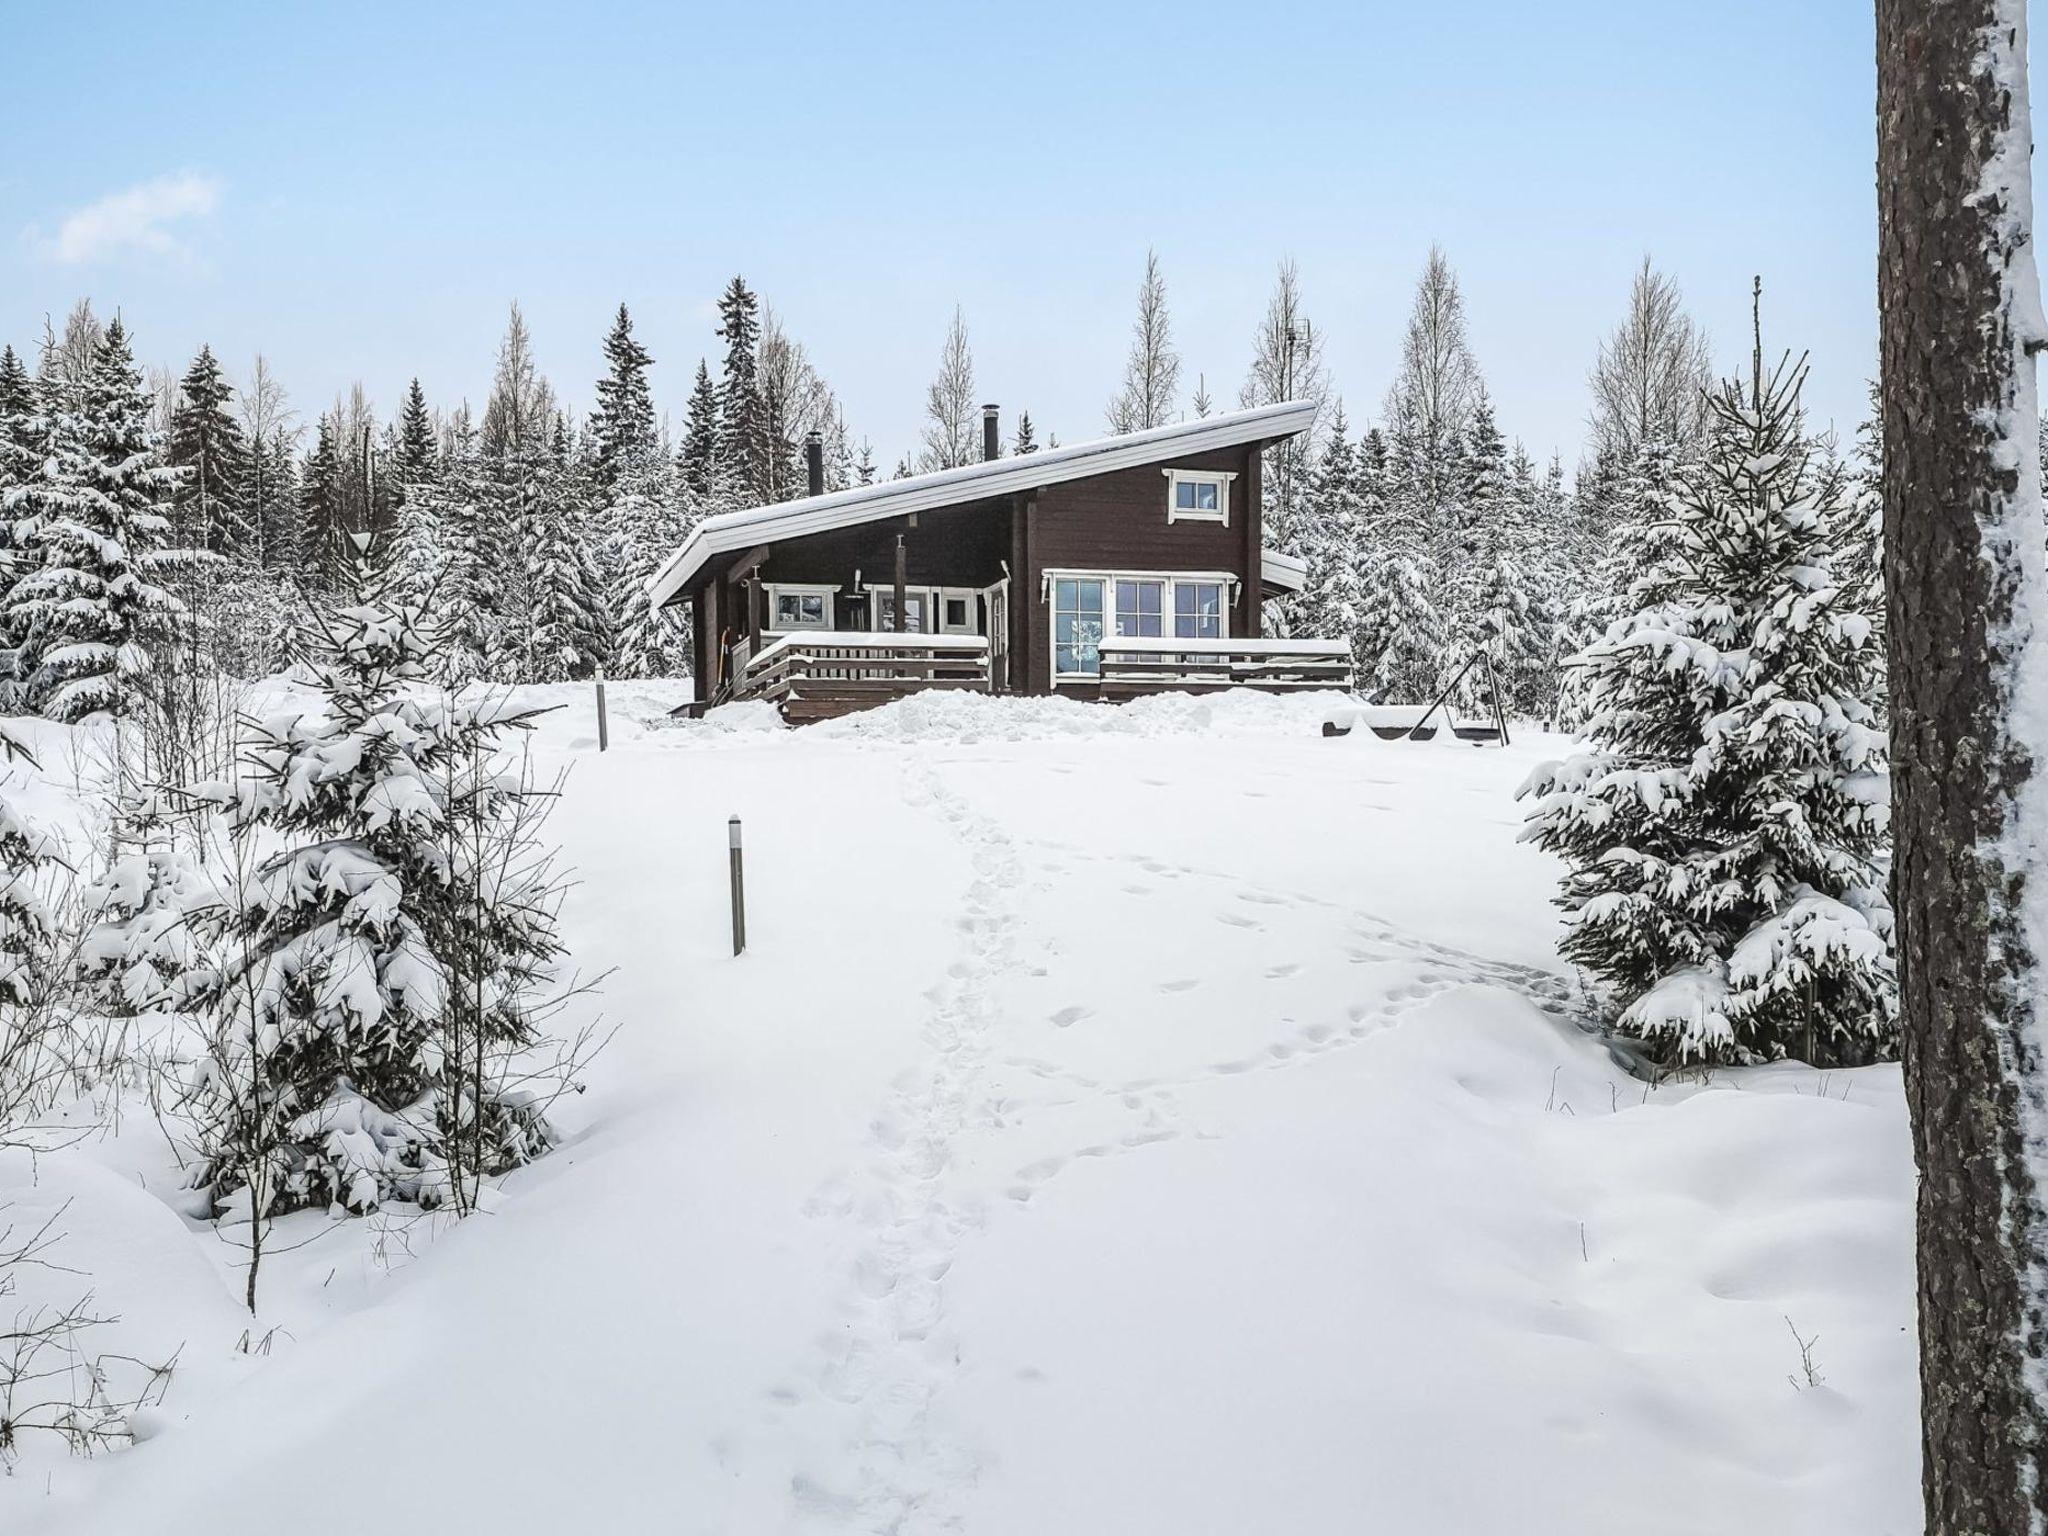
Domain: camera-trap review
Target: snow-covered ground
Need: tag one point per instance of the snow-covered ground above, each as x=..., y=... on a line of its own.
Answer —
x=1123, y=1121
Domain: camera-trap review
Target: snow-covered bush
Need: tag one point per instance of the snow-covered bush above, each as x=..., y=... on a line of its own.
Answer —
x=1725, y=826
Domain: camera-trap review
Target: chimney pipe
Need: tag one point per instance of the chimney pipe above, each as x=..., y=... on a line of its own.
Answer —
x=814, y=463
x=991, y=433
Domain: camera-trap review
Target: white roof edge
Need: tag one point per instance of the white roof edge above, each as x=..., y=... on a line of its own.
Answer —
x=731, y=531
x=1279, y=569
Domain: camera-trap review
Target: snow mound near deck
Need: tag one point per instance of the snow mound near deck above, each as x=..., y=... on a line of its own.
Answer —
x=962, y=716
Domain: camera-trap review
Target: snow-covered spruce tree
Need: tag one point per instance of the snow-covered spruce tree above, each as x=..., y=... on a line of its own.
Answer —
x=1400, y=637
x=622, y=426
x=26, y=928
x=136, y=948
x=21, y=434
x=570, y=627
x=210, y=507
x=94, y=524
x=1725, y=824
x=739, y=461
x=1627, y=546
x=697, y=457
x=652, y=642
x=357, y=896
x=1332, y=605
x=469, y=591
x=322, y=542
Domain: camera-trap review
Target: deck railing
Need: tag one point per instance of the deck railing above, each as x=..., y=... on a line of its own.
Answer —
x=817, y=673
x=1134, y=666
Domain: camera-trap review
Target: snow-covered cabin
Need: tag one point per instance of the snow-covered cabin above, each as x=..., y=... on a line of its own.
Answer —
x=1100, y=570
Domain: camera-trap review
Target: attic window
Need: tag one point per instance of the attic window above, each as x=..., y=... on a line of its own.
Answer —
x=1197, y=496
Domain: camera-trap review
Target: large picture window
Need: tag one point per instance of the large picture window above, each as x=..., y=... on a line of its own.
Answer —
x=1139, y=606
x=1077, y=626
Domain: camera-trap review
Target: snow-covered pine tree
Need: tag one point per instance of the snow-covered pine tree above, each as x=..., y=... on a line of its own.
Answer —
x=27, y=929
x=1725, y=823
x=622, y=426
x=323, y=549
x=1026, y=440
x=652, y=642
x=210, y=508
x=416, y=456
x=21, y=433
x=740, y=454
x=470, y=594
x=696, y=460
x=1400, y=635
x=1626, y=540
x=1332, y=604
x=358, y=904
x=569, y=620
x=94, y=524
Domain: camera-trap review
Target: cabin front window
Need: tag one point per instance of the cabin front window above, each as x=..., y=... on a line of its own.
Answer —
x=800, y=607
x=1077, y=626
x=1199, y=496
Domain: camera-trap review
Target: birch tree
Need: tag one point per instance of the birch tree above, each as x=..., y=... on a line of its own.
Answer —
x=1651, y=379
x=950, y=436
x=1152, y=371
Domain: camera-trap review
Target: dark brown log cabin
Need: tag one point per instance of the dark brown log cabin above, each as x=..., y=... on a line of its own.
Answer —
x=1155, y=534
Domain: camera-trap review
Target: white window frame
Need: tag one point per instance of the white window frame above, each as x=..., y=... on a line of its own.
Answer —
x=1052, y=639
x=1170, y=579
x=971, y=596
x=777, y=590
x=1176, y=478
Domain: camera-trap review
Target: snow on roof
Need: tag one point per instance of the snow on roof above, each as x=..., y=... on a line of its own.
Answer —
x=732, y=531
x=1282, y=570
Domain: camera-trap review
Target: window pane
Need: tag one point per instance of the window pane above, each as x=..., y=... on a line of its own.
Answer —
x=1077, y=626
x=1205, y=497
x=1198, y=610
x=1137, y=608
x=1184, y=495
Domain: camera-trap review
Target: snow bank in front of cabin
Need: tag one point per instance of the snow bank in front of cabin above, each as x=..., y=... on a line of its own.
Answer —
x=1156, y=1118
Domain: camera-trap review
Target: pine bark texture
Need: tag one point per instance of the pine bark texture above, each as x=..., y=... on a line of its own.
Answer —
x=1969, y=970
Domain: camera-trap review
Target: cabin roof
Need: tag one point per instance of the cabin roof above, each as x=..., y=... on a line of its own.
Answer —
x=729, y=532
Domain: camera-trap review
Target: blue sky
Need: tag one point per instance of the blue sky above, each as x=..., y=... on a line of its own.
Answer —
x=358, y=193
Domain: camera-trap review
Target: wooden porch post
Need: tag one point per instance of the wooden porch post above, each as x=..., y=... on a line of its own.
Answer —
x=1020, y=584
x=710, y=647
x=1254, y=542
x=902, y=588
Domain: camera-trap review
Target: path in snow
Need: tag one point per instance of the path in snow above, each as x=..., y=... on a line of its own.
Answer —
x=1122, y=1122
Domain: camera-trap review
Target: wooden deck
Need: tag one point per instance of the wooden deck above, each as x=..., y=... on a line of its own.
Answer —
x=825, y=673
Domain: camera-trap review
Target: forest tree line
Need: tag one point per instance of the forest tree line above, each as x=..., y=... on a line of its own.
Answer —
x=1428, y=535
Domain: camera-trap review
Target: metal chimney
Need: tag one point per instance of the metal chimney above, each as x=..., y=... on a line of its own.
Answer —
x=991, y=433
x=814, y=463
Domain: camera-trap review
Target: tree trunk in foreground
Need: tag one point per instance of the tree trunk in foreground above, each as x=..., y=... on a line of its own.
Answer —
x=1969, y=690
